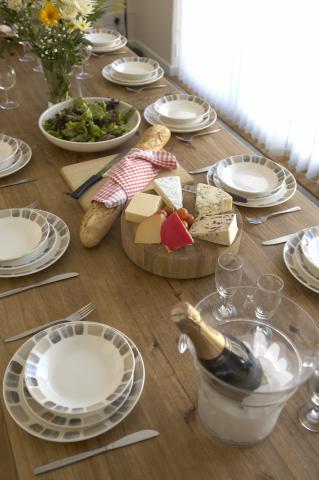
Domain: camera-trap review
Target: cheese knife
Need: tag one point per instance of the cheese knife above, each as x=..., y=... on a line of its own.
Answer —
x=200, y=170
x=123, y=442
x=278, y=240
x=79, y=191
x=236, y=198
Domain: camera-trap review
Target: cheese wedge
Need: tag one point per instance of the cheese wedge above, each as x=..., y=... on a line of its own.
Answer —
x=221, y=229
x=170, y=189
x=212, y=200
x=142, y=206
x=149, y=231
x=174, y=234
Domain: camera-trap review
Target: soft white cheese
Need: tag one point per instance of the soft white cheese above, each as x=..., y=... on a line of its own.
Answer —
x=221, y=229
x=212, y=200
x=170, y=189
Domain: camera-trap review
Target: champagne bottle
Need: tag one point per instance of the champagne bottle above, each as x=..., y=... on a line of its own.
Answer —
x=224, y=356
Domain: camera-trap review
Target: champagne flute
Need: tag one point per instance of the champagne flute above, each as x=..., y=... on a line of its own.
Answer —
x=38, y=67
x=85, y=54
x=308, y=414
x=7, y=81
x=228, y=275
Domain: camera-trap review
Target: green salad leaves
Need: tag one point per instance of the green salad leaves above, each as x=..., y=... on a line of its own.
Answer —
x=89, y=121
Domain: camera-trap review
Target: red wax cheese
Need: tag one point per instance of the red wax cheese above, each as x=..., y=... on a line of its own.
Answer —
x=149, y=230
x=174, y=235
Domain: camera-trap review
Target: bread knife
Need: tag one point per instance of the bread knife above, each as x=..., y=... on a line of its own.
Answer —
x=79, y=191
x=236, y=198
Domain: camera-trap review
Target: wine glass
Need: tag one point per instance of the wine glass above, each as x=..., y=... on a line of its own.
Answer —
x=7, y=81
x=38, y=67
x=267, y=295
x=85, y=55
x=26, y=57
x=228, y=275
x=308, y=414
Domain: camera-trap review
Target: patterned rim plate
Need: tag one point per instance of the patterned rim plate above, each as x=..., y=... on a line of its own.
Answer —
x=22, y=231
x=79, y=368
x=302, y=266
x=62, y=244
x=106, y=38
x=8, y=148
x=283, y=195
x=181, y=108
x=152, y=117
x=23, y=159
x=135, y=68
x=293, y=266
x=310, y=249
x=23, y=414
x=121, y=78
x=17, y=157
x=34, y=260
x=122, y=42
x=251, y=175
x=108, y=75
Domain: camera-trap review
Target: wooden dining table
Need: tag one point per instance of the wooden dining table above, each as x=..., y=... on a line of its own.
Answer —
x=139, y=304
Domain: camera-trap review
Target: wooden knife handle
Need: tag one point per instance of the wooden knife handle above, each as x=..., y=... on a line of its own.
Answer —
x=98, y=219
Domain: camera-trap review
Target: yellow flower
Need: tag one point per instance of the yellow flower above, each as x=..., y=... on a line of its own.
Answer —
x=50, y=15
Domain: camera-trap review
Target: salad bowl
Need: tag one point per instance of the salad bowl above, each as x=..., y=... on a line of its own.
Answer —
x=90, y=144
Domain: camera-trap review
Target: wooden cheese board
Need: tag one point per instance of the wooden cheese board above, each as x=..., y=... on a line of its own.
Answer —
x=193, y=261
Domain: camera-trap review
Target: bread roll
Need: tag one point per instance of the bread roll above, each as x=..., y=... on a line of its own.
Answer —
x=98, y=220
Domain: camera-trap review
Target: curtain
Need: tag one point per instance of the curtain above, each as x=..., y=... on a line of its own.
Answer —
x=257, y=62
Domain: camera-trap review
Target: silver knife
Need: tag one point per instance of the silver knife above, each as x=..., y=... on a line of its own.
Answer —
x=275, y=241
x=56, y=278
x=20, y=182
x=123, y=442
x=200, y=170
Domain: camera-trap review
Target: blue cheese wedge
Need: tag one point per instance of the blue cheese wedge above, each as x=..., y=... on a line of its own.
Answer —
x=212, y=200
x=170, y=189
x=221, y=229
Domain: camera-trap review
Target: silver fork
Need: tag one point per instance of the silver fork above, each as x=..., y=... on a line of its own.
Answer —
x=189, y=138
x=258, y=220
x=32, y=205
x=74, y=317
x=139, y=90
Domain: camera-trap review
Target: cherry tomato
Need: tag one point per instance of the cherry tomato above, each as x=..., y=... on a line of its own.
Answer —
x=190, y=219
x=185, y=224
x=182, y=213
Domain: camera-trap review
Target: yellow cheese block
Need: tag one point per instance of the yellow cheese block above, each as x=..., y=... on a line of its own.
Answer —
x=141, y=206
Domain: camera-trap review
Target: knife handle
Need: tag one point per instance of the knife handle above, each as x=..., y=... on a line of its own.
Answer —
x=78, y=192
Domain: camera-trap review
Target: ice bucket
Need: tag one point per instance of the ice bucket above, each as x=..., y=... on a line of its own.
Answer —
x=287, y=346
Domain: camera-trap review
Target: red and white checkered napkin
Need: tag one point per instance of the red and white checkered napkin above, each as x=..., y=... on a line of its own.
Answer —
x=132, y=174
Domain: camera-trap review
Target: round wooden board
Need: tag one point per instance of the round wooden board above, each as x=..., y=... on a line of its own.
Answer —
x=193, y=261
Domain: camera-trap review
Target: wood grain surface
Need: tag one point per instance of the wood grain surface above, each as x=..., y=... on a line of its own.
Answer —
x=139, y=303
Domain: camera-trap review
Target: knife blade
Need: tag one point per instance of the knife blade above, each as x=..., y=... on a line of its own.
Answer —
x=78, y=192
x=236, y=198
x=20, y=182
x=275, y=241
x=200, y=170
x=123, y=442
x=56, y=278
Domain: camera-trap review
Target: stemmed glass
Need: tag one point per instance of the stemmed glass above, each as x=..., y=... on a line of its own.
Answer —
x=228, y=276
x=38, y=67
x=267, y=295
x=26, y=57
x=308, y=414
x=85, y=54
x=7, y=81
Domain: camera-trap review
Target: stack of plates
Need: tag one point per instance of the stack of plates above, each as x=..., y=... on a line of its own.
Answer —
x=301, y=256
x=133, y=71
x=258, y=180
x=14, y=155
x=181, y=113
x=105, y=40
x=30, y=241
x=73, y=381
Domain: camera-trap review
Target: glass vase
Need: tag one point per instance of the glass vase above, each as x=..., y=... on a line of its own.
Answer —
x=59, y=81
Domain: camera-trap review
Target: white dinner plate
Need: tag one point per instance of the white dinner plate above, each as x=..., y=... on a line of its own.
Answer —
x=181, y=108
x=310, y=249
x=294, y=267
x=152, y=117
x=108, y=74
x=283, y=195
x=22, y=158
x=22, y=231
x=116, y=46
x=251, y=175
x=120, y=78
x=134, y=68
x=23, y=414
x=79, y=368
x=107, y=38
x=63, y=240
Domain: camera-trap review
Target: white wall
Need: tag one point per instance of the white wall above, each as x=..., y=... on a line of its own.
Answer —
x=151, y=28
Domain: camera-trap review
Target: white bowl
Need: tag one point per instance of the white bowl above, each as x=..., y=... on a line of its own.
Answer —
x=98, y=146
x=8, y=148
x=182, y=108
x=135, y=68
x=309, y=245
x=103, y=37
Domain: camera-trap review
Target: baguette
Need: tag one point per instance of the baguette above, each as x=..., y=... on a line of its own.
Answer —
x=98, y=220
